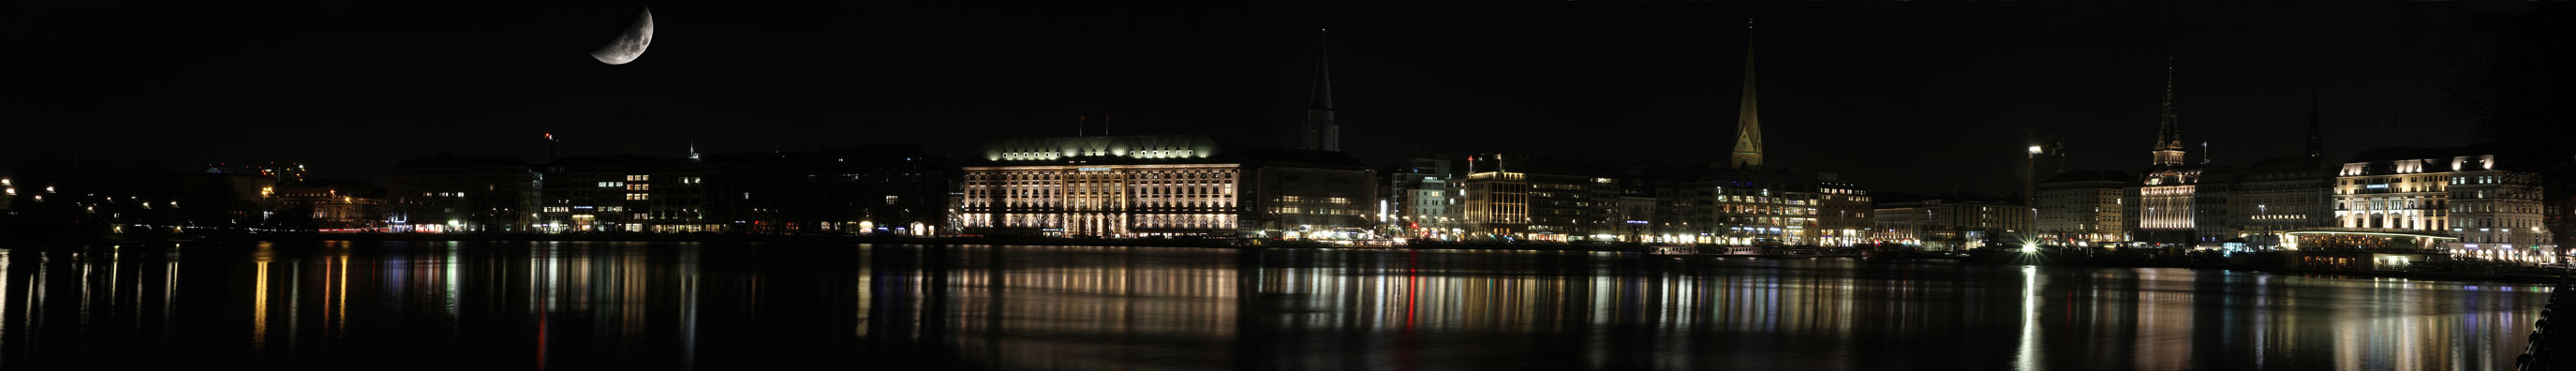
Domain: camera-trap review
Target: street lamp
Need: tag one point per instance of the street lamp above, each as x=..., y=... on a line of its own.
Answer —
x=2030, y=191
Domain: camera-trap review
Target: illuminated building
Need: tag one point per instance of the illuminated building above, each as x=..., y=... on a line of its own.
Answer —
x=2393, y=194
x=1541, y=207
x=1107, y=186
x=2084, y=207
x=448, y=194
x=604, y=193
x=334, y=205
x=1494, y=204
x=1420, y=198
x=1950, y=224
x=1843, y=212
x=2493, y=208
x=2497, y=212
x=1307, y=194
x=2166, y=197
x=1102, y=186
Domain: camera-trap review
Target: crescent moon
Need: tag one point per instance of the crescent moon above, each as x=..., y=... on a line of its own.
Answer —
x=629, y=44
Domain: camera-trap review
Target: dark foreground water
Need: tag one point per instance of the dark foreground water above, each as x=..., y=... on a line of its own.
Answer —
x=573, y=305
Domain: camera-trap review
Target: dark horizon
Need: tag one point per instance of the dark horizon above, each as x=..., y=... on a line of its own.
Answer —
x=1913, y=97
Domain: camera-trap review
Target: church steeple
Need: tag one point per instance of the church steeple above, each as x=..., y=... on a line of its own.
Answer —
x=1320, y=132
x=2316, y=127
x=1748, y=122
x=2168, y=148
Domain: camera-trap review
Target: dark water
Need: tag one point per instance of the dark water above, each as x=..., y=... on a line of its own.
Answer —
x=548, y=305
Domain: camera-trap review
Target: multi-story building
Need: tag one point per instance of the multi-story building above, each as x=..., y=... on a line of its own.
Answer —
x=1951, y=225
x=2213, y=224
x=883, y=190
x=1496, y=204
x=1420, y=198
x=2460, y=201
x=2275, y=197
x=2497, y=212
x=1171, y=185
x=606, y=193
x=1303, y=194
x=1899, y=224
x=2084, y=208
x=2408, y=194
x=333, y=205
x=1842, y=213
x=448, y=194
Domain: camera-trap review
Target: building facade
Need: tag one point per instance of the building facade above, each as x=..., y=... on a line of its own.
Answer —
x=2497, y=213
x=2275, y=197
x=462, y=195
x=2084, y=208
x=1132, y=186
x=609, y=193
x=1420, y=197
x=334, y=205
x=1938, y=225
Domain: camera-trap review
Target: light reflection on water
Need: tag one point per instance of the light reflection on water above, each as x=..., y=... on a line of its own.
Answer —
x=538, y=305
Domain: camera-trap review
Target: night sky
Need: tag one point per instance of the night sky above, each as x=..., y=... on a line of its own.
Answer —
x=1921, y=97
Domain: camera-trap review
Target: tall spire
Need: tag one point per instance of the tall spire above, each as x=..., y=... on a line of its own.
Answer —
x=1321, y=134
x=2168, y=148
x=2316, y=127
x=1748, y=122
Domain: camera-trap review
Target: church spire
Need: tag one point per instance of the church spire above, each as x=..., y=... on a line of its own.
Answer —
x=2168, y=148
x=2316, y=127
x=1320, y=132
x=1748, y=122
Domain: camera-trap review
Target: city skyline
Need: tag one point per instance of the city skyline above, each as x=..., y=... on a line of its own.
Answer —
x=1971, y=93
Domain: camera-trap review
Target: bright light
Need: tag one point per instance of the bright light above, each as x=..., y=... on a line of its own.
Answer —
x=2029, y=248
x=2034, y=150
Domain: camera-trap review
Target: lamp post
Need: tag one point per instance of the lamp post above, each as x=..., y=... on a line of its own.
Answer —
x=2030, y=190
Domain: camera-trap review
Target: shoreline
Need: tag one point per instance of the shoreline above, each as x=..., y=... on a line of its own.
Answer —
x=1997, y=259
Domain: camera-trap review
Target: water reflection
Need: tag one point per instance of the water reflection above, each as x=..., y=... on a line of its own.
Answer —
x=540, y=305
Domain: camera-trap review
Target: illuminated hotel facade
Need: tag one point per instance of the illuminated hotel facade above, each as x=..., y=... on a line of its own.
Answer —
x=1161, y=186
x=2495, y=213
x=1102, y=186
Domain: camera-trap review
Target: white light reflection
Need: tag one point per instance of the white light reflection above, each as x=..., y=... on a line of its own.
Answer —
x=2027, y=357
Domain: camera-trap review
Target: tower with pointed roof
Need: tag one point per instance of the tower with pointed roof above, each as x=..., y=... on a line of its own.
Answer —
x=2316, y=128
x=2168, y=147
x=1748, y=122
x=1321, y=134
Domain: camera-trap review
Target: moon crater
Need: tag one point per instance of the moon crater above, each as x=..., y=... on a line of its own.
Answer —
x=630, y=44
